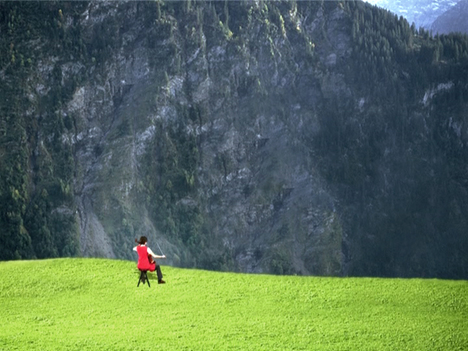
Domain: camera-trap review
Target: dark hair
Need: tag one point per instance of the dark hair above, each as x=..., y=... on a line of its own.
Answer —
x=142, y=240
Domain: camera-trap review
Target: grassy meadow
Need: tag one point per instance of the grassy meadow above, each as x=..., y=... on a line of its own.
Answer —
x=95, y=304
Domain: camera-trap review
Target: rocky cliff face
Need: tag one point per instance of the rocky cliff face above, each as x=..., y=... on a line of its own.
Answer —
x=223, y=131
x=203, y=109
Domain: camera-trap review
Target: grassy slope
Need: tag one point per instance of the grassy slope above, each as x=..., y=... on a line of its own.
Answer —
x=94, y=304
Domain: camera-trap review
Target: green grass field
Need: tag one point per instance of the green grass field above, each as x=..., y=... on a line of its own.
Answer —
x=95, y=304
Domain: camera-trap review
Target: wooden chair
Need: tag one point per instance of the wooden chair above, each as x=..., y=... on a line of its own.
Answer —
x=143, y=278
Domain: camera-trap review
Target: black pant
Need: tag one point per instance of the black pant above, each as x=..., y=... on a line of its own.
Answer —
x=158, y=271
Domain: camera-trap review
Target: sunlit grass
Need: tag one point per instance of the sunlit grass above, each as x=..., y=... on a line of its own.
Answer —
x=95, y=304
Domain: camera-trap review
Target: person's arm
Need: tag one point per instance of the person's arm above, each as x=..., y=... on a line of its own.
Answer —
x=155, y=256
x=135, y=248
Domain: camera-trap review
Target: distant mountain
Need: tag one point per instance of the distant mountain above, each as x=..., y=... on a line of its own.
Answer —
x=422, y=12
x=453, y=20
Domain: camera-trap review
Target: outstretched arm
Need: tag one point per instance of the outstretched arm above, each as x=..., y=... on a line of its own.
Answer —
x=155, y=256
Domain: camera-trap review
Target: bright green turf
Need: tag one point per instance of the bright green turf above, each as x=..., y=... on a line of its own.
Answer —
x=94, y=304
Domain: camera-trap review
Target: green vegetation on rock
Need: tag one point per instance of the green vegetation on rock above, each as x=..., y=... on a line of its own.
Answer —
x=289, y=137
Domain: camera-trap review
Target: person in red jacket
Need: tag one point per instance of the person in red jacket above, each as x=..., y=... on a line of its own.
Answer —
x=144, y=254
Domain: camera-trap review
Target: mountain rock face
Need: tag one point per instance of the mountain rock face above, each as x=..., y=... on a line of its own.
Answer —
x=279, y=137
x=454, y=20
